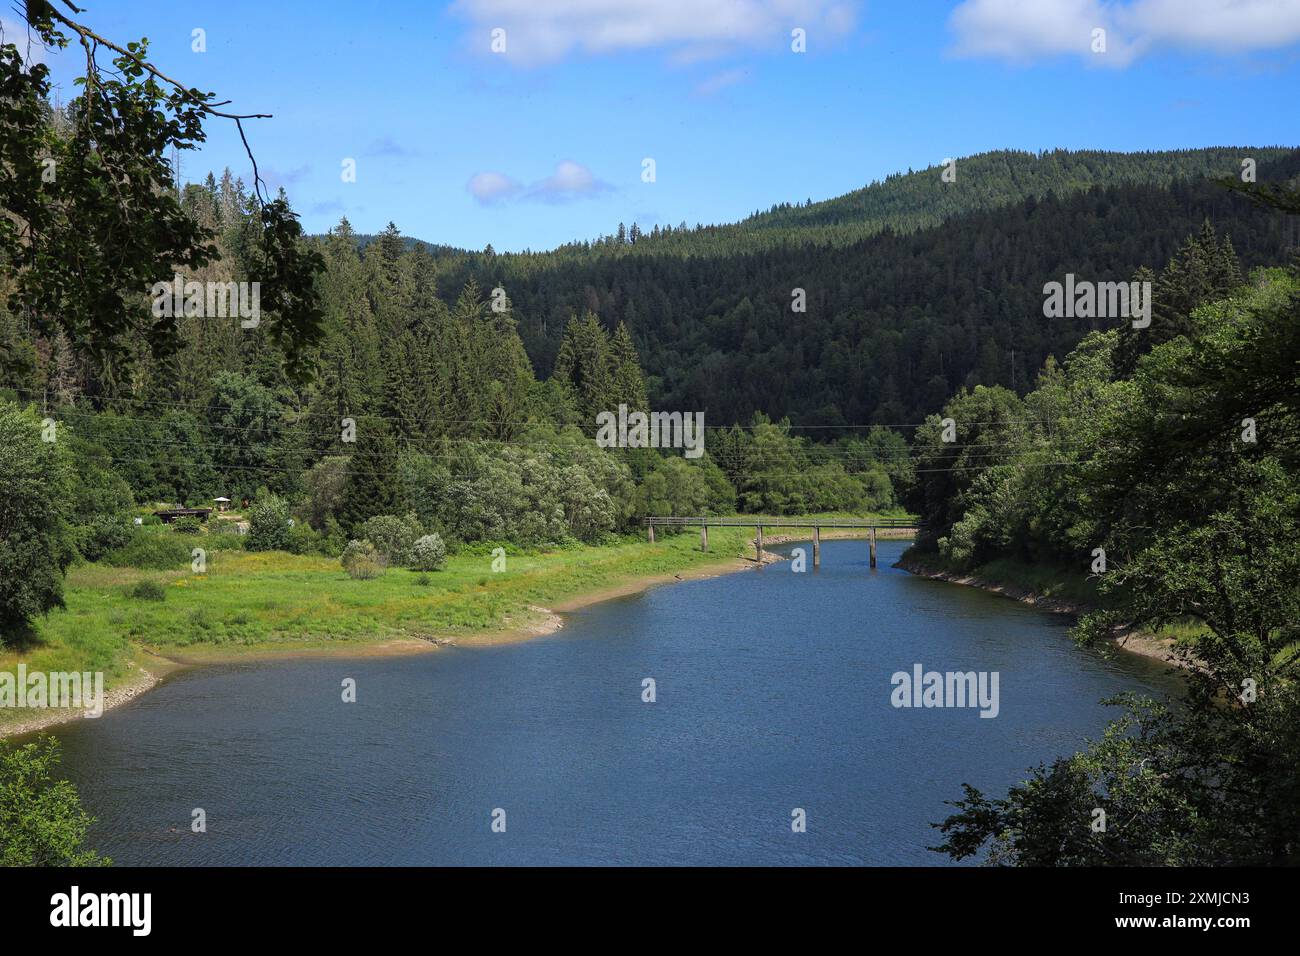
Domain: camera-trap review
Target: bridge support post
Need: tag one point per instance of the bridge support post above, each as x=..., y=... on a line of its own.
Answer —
x=817, y=548
x=704, y=537
x=758, y=545
x=873, y=549
x=652, y=533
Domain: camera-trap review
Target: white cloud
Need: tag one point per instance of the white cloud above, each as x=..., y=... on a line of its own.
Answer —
x=539, y=31
x=1024, y=30
x=28, y=42
x=490, y=187
x=570, y=181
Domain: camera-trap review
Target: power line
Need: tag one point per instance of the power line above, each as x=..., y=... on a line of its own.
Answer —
x=376, y=416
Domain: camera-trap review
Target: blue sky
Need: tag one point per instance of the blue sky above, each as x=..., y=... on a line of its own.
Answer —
x=552, y=133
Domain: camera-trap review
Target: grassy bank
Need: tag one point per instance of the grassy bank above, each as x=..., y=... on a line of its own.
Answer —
x=1067, y=587
x=274, y=603
x=1048, y=586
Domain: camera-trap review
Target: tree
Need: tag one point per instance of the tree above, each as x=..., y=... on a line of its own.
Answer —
x=76, y=190
x=268, y=524
x=627, y=382
x=1200, y=516
x=245, y=421
x=370, y=489
x=985, y=423
x=324, y=485
x=428, y=553
x=583, y=367
x=42, y=822
x=1204, y=268
x=35, y=541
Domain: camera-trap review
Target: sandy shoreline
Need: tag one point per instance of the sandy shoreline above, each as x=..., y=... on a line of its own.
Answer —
x=536, y=622
x=141, y=680
x=1133, y=642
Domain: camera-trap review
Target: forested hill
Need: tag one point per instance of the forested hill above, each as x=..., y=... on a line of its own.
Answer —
x=906, y=202
x=909, y=201
x=895, y=323
x=916, y=199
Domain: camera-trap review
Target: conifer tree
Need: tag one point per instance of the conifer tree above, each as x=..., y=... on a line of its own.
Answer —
x=628, y=382
x=372, y=473
x=508, y=376
x=583, y=367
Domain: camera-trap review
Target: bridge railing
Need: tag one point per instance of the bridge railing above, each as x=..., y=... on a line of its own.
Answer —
x=668, y=521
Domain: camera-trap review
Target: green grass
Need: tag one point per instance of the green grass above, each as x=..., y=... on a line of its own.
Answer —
x=277, y=601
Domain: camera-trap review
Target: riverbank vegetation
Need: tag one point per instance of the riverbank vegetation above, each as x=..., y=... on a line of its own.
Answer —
x=122, y=619
x=1162, y=468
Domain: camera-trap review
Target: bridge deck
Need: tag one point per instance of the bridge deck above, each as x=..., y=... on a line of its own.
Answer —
x=757, y=521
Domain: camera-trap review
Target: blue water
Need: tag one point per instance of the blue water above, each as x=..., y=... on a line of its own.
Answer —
x=773, y=693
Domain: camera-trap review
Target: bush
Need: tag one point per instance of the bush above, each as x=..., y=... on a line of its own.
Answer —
x=154, y=552
x=424, y=580
x=187, y=524
x=393, y=537
x=335, y=538
x=362, y=561
x=268, y=525
x=103, y=534
x=148, y=591
x=428, y=554
x=324, y=483
x=304, y=539
x=150, y=520
x=225, y=540
x=42, y=822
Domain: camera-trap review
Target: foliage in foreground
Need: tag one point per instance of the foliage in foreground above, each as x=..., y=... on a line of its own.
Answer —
x=1187, y=475
x=42, y=822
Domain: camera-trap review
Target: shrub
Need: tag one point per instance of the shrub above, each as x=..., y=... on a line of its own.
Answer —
x=148, y=591
x=393, y=537
x=324, y=483
x=103, y=534
x=153, y=552
x=424, y=580
x=268, y=525
x=150, y=520
x=304, y=539
x=225, y=540
x=42, y=822
x=335, y=538
x=187, y=524
x=428, y=554
x=362, y=561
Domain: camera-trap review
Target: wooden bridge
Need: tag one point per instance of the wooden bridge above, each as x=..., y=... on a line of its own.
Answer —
x=816, y=524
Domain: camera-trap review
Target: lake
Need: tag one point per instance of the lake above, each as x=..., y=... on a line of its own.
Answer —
x=772, y=694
